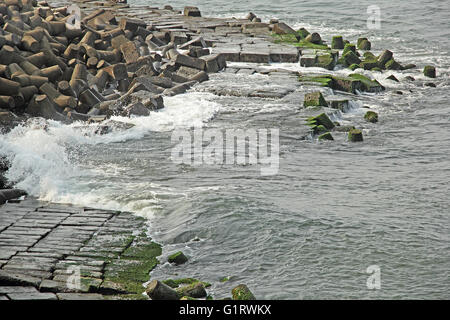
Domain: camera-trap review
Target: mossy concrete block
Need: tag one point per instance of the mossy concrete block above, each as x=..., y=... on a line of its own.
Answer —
x=326, y=136
x=195, y=290
x=384, y=57
x=368, y=85
x=242, y=292
x=314, y=38
x=283, y=28
x=371, y=116
x=321, y=80
x=393, y=78
x=315, y=99
x=350, y=58
x=393, y=65
x=175, y=283
x=177, y=258
x=349, y=47
x=303, y=33
x=363, y=44
x=157, y=290
x=319, y=129
x=354, y=66
x=369, y=56
x=355, y=135
x=321, y=119
x=308, y=60
x=339, y=104
x=311, y=45
x=429, y=71
x=326, y=61
x=346, y=84
x=369, y=64
x=337, y=42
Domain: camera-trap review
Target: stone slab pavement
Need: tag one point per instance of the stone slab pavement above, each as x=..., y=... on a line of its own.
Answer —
x=55, y=251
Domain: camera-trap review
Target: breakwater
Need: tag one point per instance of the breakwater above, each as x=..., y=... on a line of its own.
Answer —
x=250, y=91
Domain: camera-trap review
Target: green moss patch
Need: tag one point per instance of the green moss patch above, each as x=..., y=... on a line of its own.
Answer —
x=292, y=40
x=128, y=273
x=175, y=283
x=368, y=84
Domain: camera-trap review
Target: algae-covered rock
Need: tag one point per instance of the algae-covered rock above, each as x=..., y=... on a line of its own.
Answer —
x=371, y=116
x=350, y=58
x=337, y=42
x=364, y=44
x=326, y=61
x=314, y=38
x=369, y=64
x=303, y=33
x=157, y=290
x=393, y=65
x=354, y=66
x=177, y=258
x=429, y=71
x=355, y=135
x=393, y=78
x=132, y=269
x=242, y=292
x=194, y=290
x=315, y=99
x=353, y=83
x=310, y=45
x=283, y=28
x=319, y=129
x=308, y=60
x=175, y=283
x=339, y=104
x=349, y=47
x=369, y=56
x=368, y=85
x=321, y=119
x=384, y=57
x=326, y=136
x=376, y=69
x=293, y=39
x=409, y=66
x=320, y=80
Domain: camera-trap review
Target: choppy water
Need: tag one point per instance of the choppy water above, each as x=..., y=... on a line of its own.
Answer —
x=332, y=210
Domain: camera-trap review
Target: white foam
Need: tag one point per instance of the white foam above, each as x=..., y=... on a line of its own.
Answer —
x=44, y=160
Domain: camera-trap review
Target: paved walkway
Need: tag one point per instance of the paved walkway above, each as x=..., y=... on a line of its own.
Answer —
x=44, y=246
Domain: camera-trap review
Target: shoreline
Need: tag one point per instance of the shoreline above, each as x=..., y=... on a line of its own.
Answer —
x=195, y=70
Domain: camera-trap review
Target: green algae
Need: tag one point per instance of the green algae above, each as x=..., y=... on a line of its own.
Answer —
x=321, y=80
x=314, y=99
x=292, y=40
x=355, y=135
x=326, y=136
x=175, y=283
x=242, y=292
x=371, y=116
x=177, y=258
x=133, y=267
